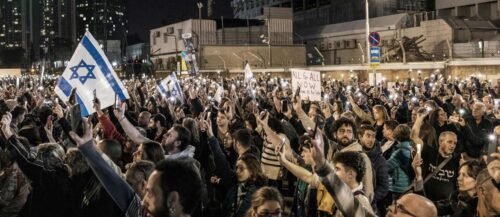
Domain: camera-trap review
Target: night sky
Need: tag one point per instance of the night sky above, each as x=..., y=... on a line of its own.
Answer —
x=144, y=15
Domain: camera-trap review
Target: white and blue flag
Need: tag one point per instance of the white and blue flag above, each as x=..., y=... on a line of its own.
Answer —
x=91, y=74
x=248, y=73
x=169, y=88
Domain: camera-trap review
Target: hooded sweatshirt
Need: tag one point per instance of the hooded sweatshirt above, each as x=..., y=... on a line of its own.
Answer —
x=356, y=147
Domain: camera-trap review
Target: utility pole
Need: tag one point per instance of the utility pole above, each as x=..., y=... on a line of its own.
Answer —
x=269, y=36
x=368, y=55
x=200, y=6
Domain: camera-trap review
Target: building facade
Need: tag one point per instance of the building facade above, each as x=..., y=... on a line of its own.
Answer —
x=11, y=24
x=486, y=9
x=225, y=44
x=322, y=12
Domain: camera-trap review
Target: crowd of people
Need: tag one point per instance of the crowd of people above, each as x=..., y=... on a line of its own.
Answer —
x=421, y=147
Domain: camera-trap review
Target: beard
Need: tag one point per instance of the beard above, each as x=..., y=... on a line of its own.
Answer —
x=344, y=141
x=162, y=212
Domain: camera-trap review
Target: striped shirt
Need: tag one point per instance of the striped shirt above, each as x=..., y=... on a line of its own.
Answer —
x=269, y=161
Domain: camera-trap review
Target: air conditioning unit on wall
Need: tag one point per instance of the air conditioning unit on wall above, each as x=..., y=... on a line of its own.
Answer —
x=170, y=30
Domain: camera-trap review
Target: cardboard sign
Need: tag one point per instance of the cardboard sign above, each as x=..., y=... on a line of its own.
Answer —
x=309, y=83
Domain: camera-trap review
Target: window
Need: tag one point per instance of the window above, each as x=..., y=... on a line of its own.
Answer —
x=179, y=33
x=165, y=38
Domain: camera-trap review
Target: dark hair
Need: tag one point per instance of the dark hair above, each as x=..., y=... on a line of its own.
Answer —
x=112, y=148
x=142, y=168
x=305, y=141
x=365, y=128
x=76, y=162
x=434, y=116
x=243, y=137
x=161, y=119
x=192, y=126
x=402, y=133
x=32, y=133
x=17, y=111
x=352, y=160
x=275, y=125
x=391, y=124
x=252, y=120
x=181, y=176
x=341, y=122
x=153, y=151
x=253, y=166
x=183, y=135
x=475, y=166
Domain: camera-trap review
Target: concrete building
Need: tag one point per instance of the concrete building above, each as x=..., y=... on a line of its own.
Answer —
x=440, y=39
x=229, y=43
x=243, y=9
x=322, y=12
x=486, y=9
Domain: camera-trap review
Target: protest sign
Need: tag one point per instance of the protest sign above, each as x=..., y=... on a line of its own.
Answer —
x=309, y=83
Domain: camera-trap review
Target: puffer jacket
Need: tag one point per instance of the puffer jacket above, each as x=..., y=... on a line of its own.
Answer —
x=399, y=179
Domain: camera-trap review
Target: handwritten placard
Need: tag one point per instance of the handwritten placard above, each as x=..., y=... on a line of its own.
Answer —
x=309, y=83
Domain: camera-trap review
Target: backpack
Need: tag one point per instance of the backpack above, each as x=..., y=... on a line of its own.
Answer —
x=406, y=164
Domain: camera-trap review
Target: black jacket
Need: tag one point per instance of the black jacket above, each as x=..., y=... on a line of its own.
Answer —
x=234, y=209
x=51, y=194
x=476, y=135
x=381, y=172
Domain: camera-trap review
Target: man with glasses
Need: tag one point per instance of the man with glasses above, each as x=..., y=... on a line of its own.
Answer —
x=412, y=205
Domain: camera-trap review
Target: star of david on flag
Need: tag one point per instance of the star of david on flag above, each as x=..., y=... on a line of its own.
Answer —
x=83, y=79
x=91, y=74
x=169, y=88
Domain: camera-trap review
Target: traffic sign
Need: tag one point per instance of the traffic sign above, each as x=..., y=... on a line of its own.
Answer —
x=374, y=56
x=374, y=39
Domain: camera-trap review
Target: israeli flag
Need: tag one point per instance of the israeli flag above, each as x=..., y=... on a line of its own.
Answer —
x=169, y=88
x=91, y=74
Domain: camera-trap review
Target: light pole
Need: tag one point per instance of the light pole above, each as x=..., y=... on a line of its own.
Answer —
x=367, y=26
x=266, y=40
x=368, y=54
x=200, y=6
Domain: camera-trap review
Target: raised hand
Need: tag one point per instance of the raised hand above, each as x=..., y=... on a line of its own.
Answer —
x=120, y=112
x=317, y=151
x=6, y=120
x=97, y=107
x=87, y=133
x=208, y=127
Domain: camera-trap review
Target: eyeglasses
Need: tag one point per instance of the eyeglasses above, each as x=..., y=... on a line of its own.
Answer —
x=396, y=207
x=267, y=214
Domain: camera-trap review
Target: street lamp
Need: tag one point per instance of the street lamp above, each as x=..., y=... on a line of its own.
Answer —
x=267, y=40
x=200, y=6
